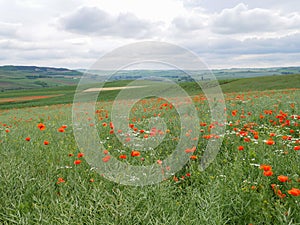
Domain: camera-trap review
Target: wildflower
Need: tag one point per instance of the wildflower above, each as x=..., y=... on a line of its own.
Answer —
x=270, y=142
x=61, y=130
x=282, y=178
x=159, y=162
x=60, y=180
x=7, y=130
x=135, y=153
x=122, y=156
x=193, y=157
x=106, y=158
x=294, y=192
x=70, y=154
x=27, y=138
x=105, y=152
x=268, y=173
x=297, y=148
x=241, y=148
x=104, y=124
x=234, y=112
x=77, y=162
x=46, y=142
x=80, y=154
x=64, y=126
x=190, y=150
x=265, y=167
x=41, y=126
x=246, y=139
x=92, y=180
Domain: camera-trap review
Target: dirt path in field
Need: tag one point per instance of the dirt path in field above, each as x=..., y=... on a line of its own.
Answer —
x=26, y=98
x=111, y=88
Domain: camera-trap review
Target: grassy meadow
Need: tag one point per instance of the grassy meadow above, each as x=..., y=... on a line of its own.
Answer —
x=255, y=178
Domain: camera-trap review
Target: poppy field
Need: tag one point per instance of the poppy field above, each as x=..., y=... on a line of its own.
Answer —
x=254, y=179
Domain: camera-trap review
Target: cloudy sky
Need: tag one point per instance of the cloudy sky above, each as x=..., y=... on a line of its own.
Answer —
x=75, y=33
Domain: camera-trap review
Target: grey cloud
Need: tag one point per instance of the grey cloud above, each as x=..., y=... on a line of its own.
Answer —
x=240, y=19
x=217, y=6
x=188, y=24
x=229, y=46
x=9, y=30
x=94, y=21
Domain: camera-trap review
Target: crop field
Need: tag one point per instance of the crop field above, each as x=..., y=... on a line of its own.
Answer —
x=255, y=178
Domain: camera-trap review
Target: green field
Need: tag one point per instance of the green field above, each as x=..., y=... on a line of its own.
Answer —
x=44, y=183
x=66, y=93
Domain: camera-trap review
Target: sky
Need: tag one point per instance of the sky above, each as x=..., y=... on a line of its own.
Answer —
x=76, y=33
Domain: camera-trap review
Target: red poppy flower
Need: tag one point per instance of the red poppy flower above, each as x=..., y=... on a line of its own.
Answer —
x=77, y=162
x=60, y=180
x=265, y=167
x=106, y=158
x=46, y=142
x=193, y=157
x=135, y=153
x=270, y=142
x=282, y=178
x=294, y=192
x=233, y=112
x=111, y=125
x=241, y=148
x=61, y=130
x=80, y=154
x=122, y=156
x=41, y=126
x=27, y=138
x=297, y=148
x=268, y=173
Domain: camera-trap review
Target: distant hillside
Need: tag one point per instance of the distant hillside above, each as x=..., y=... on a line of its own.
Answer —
x=31, y=77
x=65, y=94
x=38, y=71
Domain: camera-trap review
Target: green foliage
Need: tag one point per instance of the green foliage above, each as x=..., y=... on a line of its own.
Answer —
x=232, y=190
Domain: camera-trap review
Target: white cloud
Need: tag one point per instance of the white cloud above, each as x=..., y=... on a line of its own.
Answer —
x=241, y=19
x=76, y=33
x=94, y=21
x=9, y=29
x=190, y=23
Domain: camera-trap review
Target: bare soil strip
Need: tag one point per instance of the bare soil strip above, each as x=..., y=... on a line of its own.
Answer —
x=111, y=88
x=26, y=98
